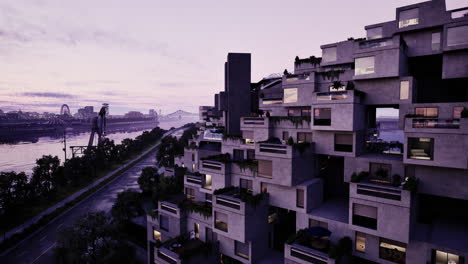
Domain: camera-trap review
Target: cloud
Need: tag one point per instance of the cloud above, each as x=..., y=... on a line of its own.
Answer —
x=49, y=95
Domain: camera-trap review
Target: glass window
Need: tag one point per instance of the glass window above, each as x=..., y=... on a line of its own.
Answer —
x=290, y=95
x=208, y=198
x=457, y=36
x=322, y=116
x=421, y=148
x=251, y=154
x=313, y=222
x=380, y=172
x=304, y=137
x=457, y=112
x=265, y=168
x=164, y=222
x=435, y=41
x=365, y=65
x=221, y=221
x=360, y=242
x=190, y=193
x=238, y=154
x=374, y=33
x=408, y=17
x=246, y=184
x=300, y=198
x=241, y=249
x=365, y=216
x=441, y=257
x=263, y=187
x=392, y=250
x=294, y=112
x=305, y=112
x=404, y=90
x=427, y=111
x=329, y=54
x=248, y=136
x=344, y=142
x=156, y=234
x=207, y=184
x=193, y=157
x=285, y=135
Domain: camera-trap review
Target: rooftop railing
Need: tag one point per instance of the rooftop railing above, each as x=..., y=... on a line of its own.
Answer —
x=436, y=123
x=375, y=43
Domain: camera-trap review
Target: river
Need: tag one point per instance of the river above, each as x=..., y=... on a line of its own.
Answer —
x=21, y=156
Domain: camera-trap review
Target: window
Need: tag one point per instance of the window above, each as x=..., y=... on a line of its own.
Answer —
x=241, y=249
x=190, y=193
x=365, y=65
x=263, y=187
x=300, y=198
x=290, y=95
x=360, y=242
x=344, y=142
x=248, y=136
x=238, y=154
x=420, y=148
x=251, y=154
x=365, y=216
x=374, y=33
x=208, y=234
x=408, y=18
x=207, y=184
x=208, y=198
x=441, y=257
x=313, y=222
x=193, y=167
x=156, y=235
x=457, y=112
x=265, y=168
x=380, y=172
x=246, y=184
x=457, y=36
x=304, y=137
x=329, y=54
x=404, y=90
x=294, y=112
x=164, y=222
x=392, y=251
x=196, y=230
x=427, y=111
x=322, y=116
x=305, y=111
x=285, y=135
x=193, y=157
x=435, y=43
x=221, y=221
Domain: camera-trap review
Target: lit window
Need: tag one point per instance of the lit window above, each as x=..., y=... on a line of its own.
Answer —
x=374, y=33
x=193, y=167
x=440, y=257
x=360, y=242
x=156, y=235
x=427, y=111
x=207, y=184
x=290, y=95
x=420, y=148
x=329, y=54
x=404, y=90
x=365, y=65
x=304, y=137
x=322, y=116
x=221, y=221
x=241, y=249
x=248, y=136
x=408, y=18
x=435, y=43
x=300, y=198
x=392, y=250
x=457, y=36
x=457, y=110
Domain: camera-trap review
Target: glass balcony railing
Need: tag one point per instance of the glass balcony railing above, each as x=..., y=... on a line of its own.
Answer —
x=379, y=43
x=436, y=123
x=212, y=135
x=330, y=96
x=296, y=78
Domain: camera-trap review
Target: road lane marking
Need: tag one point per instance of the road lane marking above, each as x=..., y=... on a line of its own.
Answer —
x=45, y=251
x=43, y=238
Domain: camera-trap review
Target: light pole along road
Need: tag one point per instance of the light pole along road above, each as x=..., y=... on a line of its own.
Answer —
x=38, y=249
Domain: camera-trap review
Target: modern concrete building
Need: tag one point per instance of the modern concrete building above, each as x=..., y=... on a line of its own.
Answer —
x=368, y=141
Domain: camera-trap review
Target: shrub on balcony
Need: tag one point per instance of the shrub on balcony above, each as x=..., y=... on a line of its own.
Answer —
x=411, y=184
x=224, y=158
x=249, y=164
x=190, y=206
x=342, y=250
x=241, y=194
x=296, y=237
x=301, y=147
x=396, y=180
x=357, y=177
x=296, y=120
x=271, y=140
x=232, y=137
x=192, y=145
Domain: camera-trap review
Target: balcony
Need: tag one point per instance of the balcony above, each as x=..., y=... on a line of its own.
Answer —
x=306, y=247
x=254, y=122
x=436, y=125
x=170, y=207
x=283, y=150
x=195, y=179
x=215, y=162
x=336, y=97
x=373, y=44
x=213, y=134
x=380, y=192
x=296, y=78
x=184, y=249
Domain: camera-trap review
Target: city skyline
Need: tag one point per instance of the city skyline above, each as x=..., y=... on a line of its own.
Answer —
x=162, y=53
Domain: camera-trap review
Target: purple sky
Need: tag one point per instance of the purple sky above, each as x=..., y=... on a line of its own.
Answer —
x=167, y=55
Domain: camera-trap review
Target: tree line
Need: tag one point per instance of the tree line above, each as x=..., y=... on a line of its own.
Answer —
x=18, y=190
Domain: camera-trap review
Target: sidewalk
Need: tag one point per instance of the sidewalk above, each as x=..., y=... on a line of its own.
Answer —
x=72, y=197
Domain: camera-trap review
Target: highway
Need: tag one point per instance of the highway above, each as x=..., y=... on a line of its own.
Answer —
x=38, y=249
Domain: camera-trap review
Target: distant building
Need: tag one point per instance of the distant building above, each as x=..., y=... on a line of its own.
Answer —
x=85, y=113
x=134, y=114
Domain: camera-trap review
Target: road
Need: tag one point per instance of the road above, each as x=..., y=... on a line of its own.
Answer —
x=39, y=248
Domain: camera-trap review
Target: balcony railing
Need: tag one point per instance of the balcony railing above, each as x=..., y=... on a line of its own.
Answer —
x=213, y=165
x=375, y=43
x=228, y=202
x=194, y=179
x=164, y=256
x=330, y=96
x=168, y=208
x=271, y=101
x=386, y=192
x=296, y=78
x=254, y=121
x=274, y=148
x=436, y=123
x=212, y=136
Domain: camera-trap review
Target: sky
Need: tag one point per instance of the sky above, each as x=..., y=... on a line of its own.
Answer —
x=154, y=54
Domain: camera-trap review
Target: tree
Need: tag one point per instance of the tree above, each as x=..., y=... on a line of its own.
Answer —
x=127, y=206
x=92, y=239
x=167, y=151
x=148, y=179
x=45, y=177
x=14, y=191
